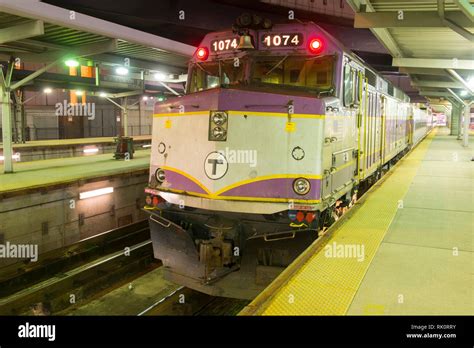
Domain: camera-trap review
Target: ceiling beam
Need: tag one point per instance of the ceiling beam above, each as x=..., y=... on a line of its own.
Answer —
x=434, y=93
x=460, y=79
x=62, y=17
x=436, y=84
x=434, y=63
x=114, y=59
x=382, y=34
x=108, y=45
x=466, y=7
x=21, y=31
x=423, y=71
x=409, y=19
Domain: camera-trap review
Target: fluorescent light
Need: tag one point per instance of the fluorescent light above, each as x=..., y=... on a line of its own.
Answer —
x=470, y=82
x=147, y=145
x=79, y=93
x=71, y=63
x=102, y=94
x=91, y=150
x=160, y=76
x=463, y=93
x=121, y=70
x=95, y=193
x=47, y=90
x=15, y=156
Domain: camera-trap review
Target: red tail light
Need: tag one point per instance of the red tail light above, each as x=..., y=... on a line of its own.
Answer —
x=315, y=45
x=202, y=53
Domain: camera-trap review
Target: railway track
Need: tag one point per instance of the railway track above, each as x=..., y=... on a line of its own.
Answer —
x=75, y=273
x=185, y=301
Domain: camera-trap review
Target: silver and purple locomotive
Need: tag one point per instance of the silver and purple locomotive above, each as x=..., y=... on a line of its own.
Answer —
x=277, y=125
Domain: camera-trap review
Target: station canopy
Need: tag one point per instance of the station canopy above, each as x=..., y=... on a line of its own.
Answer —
x=430, y=40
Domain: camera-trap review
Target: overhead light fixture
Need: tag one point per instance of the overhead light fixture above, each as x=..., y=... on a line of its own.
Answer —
x=89, y=150
x=47, y=90
x=95, y=193
x=146, y=146
x=72, y=63
x=160, y=76
x=145, y=98
x=463, y=93
x=470, y=82
x=102, y=94
x=79, y=93
x=121, y=70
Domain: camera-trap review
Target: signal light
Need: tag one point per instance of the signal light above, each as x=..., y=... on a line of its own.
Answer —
x=202, y=53
x=310, y=216
x=315, y=45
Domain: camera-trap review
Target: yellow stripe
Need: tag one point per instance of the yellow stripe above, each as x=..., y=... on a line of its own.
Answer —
x=242, y=113
x=242, y=198
x=216, y=195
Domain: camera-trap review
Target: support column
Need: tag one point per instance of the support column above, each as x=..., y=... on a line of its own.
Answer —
x=125, y=117
x=455, y=113
x=6, y=130
x=467, y=120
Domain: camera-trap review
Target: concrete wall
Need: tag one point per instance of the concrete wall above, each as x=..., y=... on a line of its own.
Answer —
x=43, y=123
x=56, y=218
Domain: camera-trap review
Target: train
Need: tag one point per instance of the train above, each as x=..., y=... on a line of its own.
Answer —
x=279, y=128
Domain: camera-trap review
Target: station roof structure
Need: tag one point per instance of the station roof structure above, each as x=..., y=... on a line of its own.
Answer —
x=37, y=32
x=430, y=40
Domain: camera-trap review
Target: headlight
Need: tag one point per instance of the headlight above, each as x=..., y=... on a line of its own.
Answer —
x=160, y=175
x=219, y=118
x=301, y=186
x=218, y=125
x=218, y=133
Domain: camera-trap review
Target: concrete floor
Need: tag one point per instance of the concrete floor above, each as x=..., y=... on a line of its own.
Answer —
x=62, y=170
x=424, y=265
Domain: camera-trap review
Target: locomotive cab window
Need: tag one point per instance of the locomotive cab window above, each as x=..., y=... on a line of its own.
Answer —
x=313, y=73
x=215, y=74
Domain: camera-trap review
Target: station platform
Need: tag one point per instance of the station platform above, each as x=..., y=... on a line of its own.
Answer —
x=63, y=148
x=64, y=171
x=405, y=248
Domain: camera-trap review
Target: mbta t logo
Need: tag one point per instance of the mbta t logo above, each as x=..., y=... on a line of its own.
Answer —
x=215, y=165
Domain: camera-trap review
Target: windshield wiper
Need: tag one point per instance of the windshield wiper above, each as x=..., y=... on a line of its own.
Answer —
x=276, y=65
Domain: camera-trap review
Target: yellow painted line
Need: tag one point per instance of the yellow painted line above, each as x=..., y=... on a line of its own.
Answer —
x=241, y=113
x=325, y=285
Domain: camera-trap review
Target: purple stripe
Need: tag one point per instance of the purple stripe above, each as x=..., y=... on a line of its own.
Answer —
x=234, y=99
x=274, y=188
x=271, y=188
x=180, y=182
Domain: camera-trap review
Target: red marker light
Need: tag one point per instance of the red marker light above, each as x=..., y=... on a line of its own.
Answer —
x=315, y=45
x=202, y=53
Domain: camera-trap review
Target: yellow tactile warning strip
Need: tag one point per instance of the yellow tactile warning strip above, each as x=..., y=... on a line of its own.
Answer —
x=328, y=281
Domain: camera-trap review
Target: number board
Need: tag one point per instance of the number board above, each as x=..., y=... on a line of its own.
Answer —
x=282, y=40
x=222, y=45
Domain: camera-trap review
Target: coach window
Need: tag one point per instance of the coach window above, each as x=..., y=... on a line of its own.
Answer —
x=349, y=85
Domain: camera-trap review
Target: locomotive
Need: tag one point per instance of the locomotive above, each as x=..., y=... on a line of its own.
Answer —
x=278, y=124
